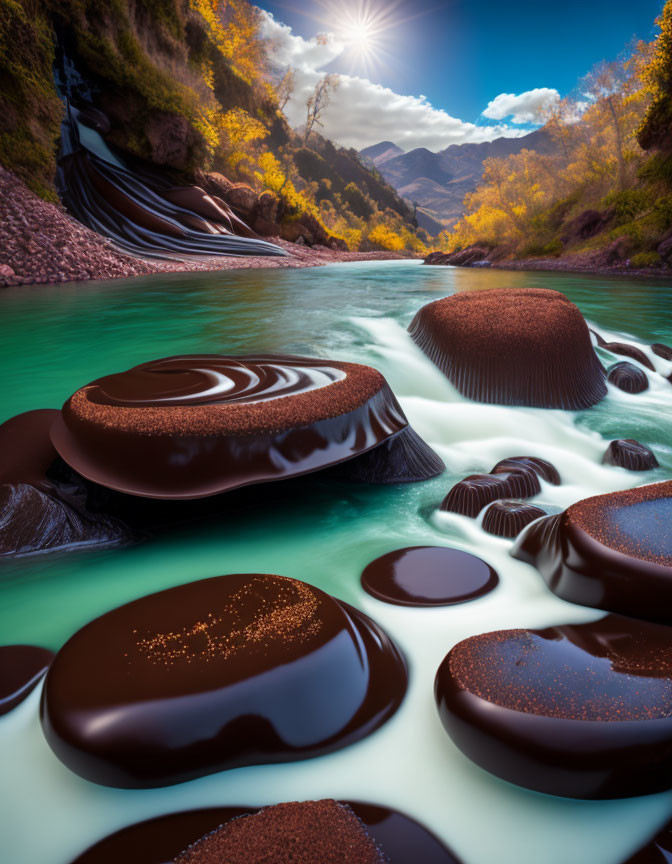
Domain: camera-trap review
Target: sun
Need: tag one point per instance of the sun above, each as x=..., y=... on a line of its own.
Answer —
x=359, y=34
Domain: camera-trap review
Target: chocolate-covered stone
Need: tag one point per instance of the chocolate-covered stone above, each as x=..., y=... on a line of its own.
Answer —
x=583, y=711
x=26, y=451
x=627, y=377
x=21, y=668
x=630, y=454
x=194, y=426
x=310, y=832
x=661, y=350
x=403, y=458
x=540, y=467
x=471, y=495
x=36, y=520
x=627, y=350
x=428, y=576
x=224, y=672
x=512, y=347
x=37, y=512
x=508, y=518
x=611, y=551
x=157, y=841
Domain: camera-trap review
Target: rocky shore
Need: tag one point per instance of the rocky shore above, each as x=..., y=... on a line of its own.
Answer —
x=41, y=244
x=610, y=262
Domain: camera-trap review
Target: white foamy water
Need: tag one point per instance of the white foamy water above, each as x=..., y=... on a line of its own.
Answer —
x=48, y=815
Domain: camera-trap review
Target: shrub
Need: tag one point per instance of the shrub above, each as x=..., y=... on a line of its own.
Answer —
x=645, y=259
x=627, y=204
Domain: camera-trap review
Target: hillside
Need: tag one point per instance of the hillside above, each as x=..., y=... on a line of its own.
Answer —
x=183, y=95
x=601, y=197
x=438, y=182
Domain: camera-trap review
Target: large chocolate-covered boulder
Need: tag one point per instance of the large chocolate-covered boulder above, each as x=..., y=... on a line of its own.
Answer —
x=219, y=673
x=193, y=426
x=583, y=711
x=399, y=838
x=508, y=518
x=513, y=347
x=611, y=551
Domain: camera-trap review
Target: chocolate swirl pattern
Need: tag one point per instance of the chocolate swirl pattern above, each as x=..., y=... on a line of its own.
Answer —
x=213, y=379
x=197, y=425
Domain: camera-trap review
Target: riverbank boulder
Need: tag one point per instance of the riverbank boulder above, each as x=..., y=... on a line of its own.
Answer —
x=582, y=711
x=512, y=347
x=235, y=670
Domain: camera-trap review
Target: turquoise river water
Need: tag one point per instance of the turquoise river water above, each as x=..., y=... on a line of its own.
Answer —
x=55, y=339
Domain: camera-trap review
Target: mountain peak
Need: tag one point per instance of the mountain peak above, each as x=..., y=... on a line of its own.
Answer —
x=379, y=153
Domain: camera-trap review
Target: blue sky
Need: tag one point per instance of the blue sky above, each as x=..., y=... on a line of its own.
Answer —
x=461, y=54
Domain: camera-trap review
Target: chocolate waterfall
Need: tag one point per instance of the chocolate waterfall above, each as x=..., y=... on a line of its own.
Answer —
x=138, y=208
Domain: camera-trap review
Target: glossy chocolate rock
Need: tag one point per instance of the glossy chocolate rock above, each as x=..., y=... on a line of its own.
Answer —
x=630, y=454
x=512, y=347
x=470, y=496
x=404, y=458
x=540, y=467
x=194, y=426
x=157, y=841
x=37, y=513
x=428, y=576
x=21, y=668
x=627, y=350
x=37, y=520
x=661, y=350
x=26, y=451
x=612, y=552
x=508, y=518
x=583, y=711
x=224, y=672
x=310, y=832
x=627, y=377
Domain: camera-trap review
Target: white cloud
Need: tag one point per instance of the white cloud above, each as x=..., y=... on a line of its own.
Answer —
x=362, y=113
x=526, y=107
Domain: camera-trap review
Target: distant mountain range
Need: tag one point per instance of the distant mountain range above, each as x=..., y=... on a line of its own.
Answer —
x=438, y=182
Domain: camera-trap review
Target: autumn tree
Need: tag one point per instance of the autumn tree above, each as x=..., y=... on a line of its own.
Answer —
x=284, y=89
x=318, y=101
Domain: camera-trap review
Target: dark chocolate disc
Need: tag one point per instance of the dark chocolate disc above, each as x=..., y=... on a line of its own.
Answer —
x=508, y=518
x=627, y=377
x=525, y=346
x=428, y=576
x=236, y=670
x=612, y=552
x=157, y=841
x=661, y=350
x=193, y=426
x=540, y=467
x=21, y=668
x=583, y=711
x=627, y=350
x=630, y=454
